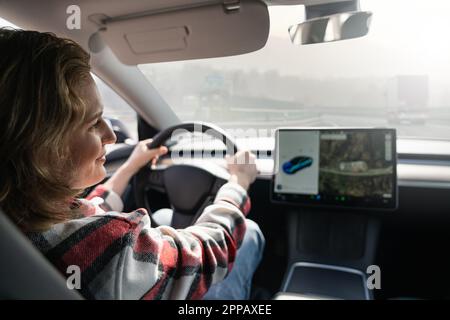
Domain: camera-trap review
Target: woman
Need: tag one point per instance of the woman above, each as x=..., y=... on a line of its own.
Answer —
x=52, y=147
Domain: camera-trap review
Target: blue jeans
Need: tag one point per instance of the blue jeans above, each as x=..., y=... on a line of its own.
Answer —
x=237, y=284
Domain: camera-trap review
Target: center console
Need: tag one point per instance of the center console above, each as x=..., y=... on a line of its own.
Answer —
x=326, y=282
x=334, y=181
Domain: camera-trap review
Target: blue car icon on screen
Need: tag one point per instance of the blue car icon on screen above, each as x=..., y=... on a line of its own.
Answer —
x=297, y=164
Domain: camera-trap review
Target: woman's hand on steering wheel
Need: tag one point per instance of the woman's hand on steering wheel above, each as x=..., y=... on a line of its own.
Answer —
x=142, y=155
x=242, y=168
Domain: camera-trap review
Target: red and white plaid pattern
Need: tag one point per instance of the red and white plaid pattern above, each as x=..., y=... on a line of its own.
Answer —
x=122, y=257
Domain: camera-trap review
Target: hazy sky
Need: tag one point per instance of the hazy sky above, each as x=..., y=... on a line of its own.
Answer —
x=406, y=37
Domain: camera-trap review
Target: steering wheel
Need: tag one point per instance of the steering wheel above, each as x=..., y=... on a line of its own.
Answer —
x=190, y=187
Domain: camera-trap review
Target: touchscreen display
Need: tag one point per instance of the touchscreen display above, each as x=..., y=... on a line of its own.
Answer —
x=345, y=167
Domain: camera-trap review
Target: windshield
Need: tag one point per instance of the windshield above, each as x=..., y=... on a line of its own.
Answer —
x=397, y=76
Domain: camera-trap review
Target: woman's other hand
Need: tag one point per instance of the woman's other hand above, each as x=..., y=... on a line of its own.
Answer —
x=242, y=168
x=142, y=155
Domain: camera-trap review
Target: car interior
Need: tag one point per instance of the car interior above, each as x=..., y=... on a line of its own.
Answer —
x=345, y=104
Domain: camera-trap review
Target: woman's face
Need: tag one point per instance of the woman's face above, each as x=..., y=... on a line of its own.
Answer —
x=88, y=142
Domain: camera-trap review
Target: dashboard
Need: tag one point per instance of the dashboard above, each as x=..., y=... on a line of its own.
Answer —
x=414, y=169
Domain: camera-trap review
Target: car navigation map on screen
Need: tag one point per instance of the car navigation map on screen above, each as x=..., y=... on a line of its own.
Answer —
x=354, y=167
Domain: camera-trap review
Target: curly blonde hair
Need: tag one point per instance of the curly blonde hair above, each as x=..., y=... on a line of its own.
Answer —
x=39, y=110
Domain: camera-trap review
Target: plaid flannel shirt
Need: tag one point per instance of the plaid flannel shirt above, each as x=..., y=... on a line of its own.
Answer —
x=122, y=257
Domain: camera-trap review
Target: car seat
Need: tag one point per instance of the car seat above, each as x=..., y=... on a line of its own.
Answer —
x=24, y=271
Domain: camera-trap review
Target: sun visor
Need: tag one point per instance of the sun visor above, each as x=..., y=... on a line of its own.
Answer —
x=206, y=31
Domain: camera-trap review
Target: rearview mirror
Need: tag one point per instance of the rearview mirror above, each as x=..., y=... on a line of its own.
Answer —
x=335, y=27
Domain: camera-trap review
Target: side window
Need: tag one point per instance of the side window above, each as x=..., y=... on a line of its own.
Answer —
x=116, y=108
x=6, y=23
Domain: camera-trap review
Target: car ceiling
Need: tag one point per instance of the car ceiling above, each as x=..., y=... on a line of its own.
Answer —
x=50, y=15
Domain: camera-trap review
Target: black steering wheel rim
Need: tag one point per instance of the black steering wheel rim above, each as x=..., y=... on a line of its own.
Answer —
x=142, y=179
x=191, y=126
